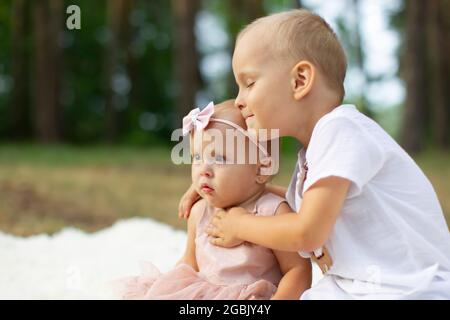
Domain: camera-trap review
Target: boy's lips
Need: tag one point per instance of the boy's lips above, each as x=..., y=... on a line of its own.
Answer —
x=249, y=121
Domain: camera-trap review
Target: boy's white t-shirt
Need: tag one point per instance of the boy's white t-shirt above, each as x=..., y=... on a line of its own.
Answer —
x=391, y=237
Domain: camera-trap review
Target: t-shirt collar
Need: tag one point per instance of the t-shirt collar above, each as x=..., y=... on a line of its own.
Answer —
x=302, y=153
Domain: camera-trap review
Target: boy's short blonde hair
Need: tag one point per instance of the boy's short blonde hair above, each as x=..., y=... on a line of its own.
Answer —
x=302, y=35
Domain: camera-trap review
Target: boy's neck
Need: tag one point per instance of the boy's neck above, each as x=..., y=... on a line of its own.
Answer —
x=316, y=112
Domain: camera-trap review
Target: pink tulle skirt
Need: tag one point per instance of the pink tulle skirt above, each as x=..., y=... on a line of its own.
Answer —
x=184, y=283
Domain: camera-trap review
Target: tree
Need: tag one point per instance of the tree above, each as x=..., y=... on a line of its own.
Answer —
x=415, y=76
x=186, y=56
x=240, y=13
x=48, y=21
x=19, y=123
x=425, y=69
x=438, y=43
x=297, y=4
x=116, y=72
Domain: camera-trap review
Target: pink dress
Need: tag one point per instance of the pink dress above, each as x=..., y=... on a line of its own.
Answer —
x=244, y=272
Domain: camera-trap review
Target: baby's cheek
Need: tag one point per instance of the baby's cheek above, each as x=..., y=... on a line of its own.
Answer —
x=224, y=181
x=194, y=173
x=236, y=181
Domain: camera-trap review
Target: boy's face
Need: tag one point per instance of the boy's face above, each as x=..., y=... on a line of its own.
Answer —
x=264, y=84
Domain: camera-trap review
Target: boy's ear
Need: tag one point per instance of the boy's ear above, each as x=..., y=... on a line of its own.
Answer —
x=302, y=79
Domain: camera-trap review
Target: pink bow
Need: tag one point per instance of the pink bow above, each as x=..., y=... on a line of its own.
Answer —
x=197, y=119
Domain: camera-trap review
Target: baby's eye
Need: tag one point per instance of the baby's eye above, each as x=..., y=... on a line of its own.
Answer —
x=196, y=157
x=220, y=159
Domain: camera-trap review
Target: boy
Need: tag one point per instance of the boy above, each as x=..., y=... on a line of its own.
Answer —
x=355, y=190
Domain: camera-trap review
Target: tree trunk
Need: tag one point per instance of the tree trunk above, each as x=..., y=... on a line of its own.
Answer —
x=241, y=13
x=415, y=77
x=48, y=23
x=19, y=123
x=445, y=11
x=186, y=63
x=298, y=4
x=117, y=56
x=439, y=64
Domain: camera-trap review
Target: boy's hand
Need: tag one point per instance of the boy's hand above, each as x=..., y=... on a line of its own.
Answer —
x=187, y=201
x=324, y=261
x=223, y=227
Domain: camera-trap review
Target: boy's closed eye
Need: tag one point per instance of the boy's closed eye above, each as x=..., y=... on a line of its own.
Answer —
x=247, y=79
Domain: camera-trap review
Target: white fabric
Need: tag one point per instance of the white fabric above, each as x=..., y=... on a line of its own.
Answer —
x=390, y=239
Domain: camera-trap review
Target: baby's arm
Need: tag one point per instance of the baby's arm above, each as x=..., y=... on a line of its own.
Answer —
x=297, y=273
x=189, y=254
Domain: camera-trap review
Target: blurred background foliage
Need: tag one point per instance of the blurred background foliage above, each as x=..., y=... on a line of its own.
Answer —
x=86, y=115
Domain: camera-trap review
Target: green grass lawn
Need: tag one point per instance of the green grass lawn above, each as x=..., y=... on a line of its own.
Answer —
x=45, y=188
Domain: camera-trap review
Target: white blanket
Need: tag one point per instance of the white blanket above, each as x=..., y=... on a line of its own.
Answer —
x=73, y=264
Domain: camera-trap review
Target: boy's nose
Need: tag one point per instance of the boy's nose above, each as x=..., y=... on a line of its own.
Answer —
x=239, y=103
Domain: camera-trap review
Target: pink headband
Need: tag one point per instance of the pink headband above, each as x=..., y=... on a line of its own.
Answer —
x=198, y=120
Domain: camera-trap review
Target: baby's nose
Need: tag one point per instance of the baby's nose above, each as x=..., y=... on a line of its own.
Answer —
x=206, y=173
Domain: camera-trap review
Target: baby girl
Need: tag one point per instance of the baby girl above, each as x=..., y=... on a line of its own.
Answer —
x=206, y=271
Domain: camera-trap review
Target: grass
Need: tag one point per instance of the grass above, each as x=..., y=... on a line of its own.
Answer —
x=44, y=189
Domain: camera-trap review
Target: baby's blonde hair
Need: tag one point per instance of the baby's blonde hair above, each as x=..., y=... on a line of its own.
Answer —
x=303, y=35
x=226, y=110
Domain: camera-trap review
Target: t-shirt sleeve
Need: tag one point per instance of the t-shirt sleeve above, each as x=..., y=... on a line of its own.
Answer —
x=343, y=149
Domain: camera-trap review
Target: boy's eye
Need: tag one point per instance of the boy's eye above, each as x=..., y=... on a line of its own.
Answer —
x=250, y=84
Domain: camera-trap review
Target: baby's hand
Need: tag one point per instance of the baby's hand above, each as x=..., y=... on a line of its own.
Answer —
x=223, y=227
x=187, y=201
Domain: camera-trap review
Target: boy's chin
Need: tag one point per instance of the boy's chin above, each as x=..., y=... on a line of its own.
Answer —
x=262, y=134
x=252, y=124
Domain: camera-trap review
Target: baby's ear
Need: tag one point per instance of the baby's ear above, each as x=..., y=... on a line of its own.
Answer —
x=302, y=79
x=264, y=171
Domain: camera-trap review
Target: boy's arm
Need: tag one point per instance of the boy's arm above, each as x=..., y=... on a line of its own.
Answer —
x=189, y=253
x=278, y=190
x=297, y=271
x=305, y=231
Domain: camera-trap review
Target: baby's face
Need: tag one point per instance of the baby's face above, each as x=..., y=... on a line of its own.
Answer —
x=264, y=84
x=221, y=184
